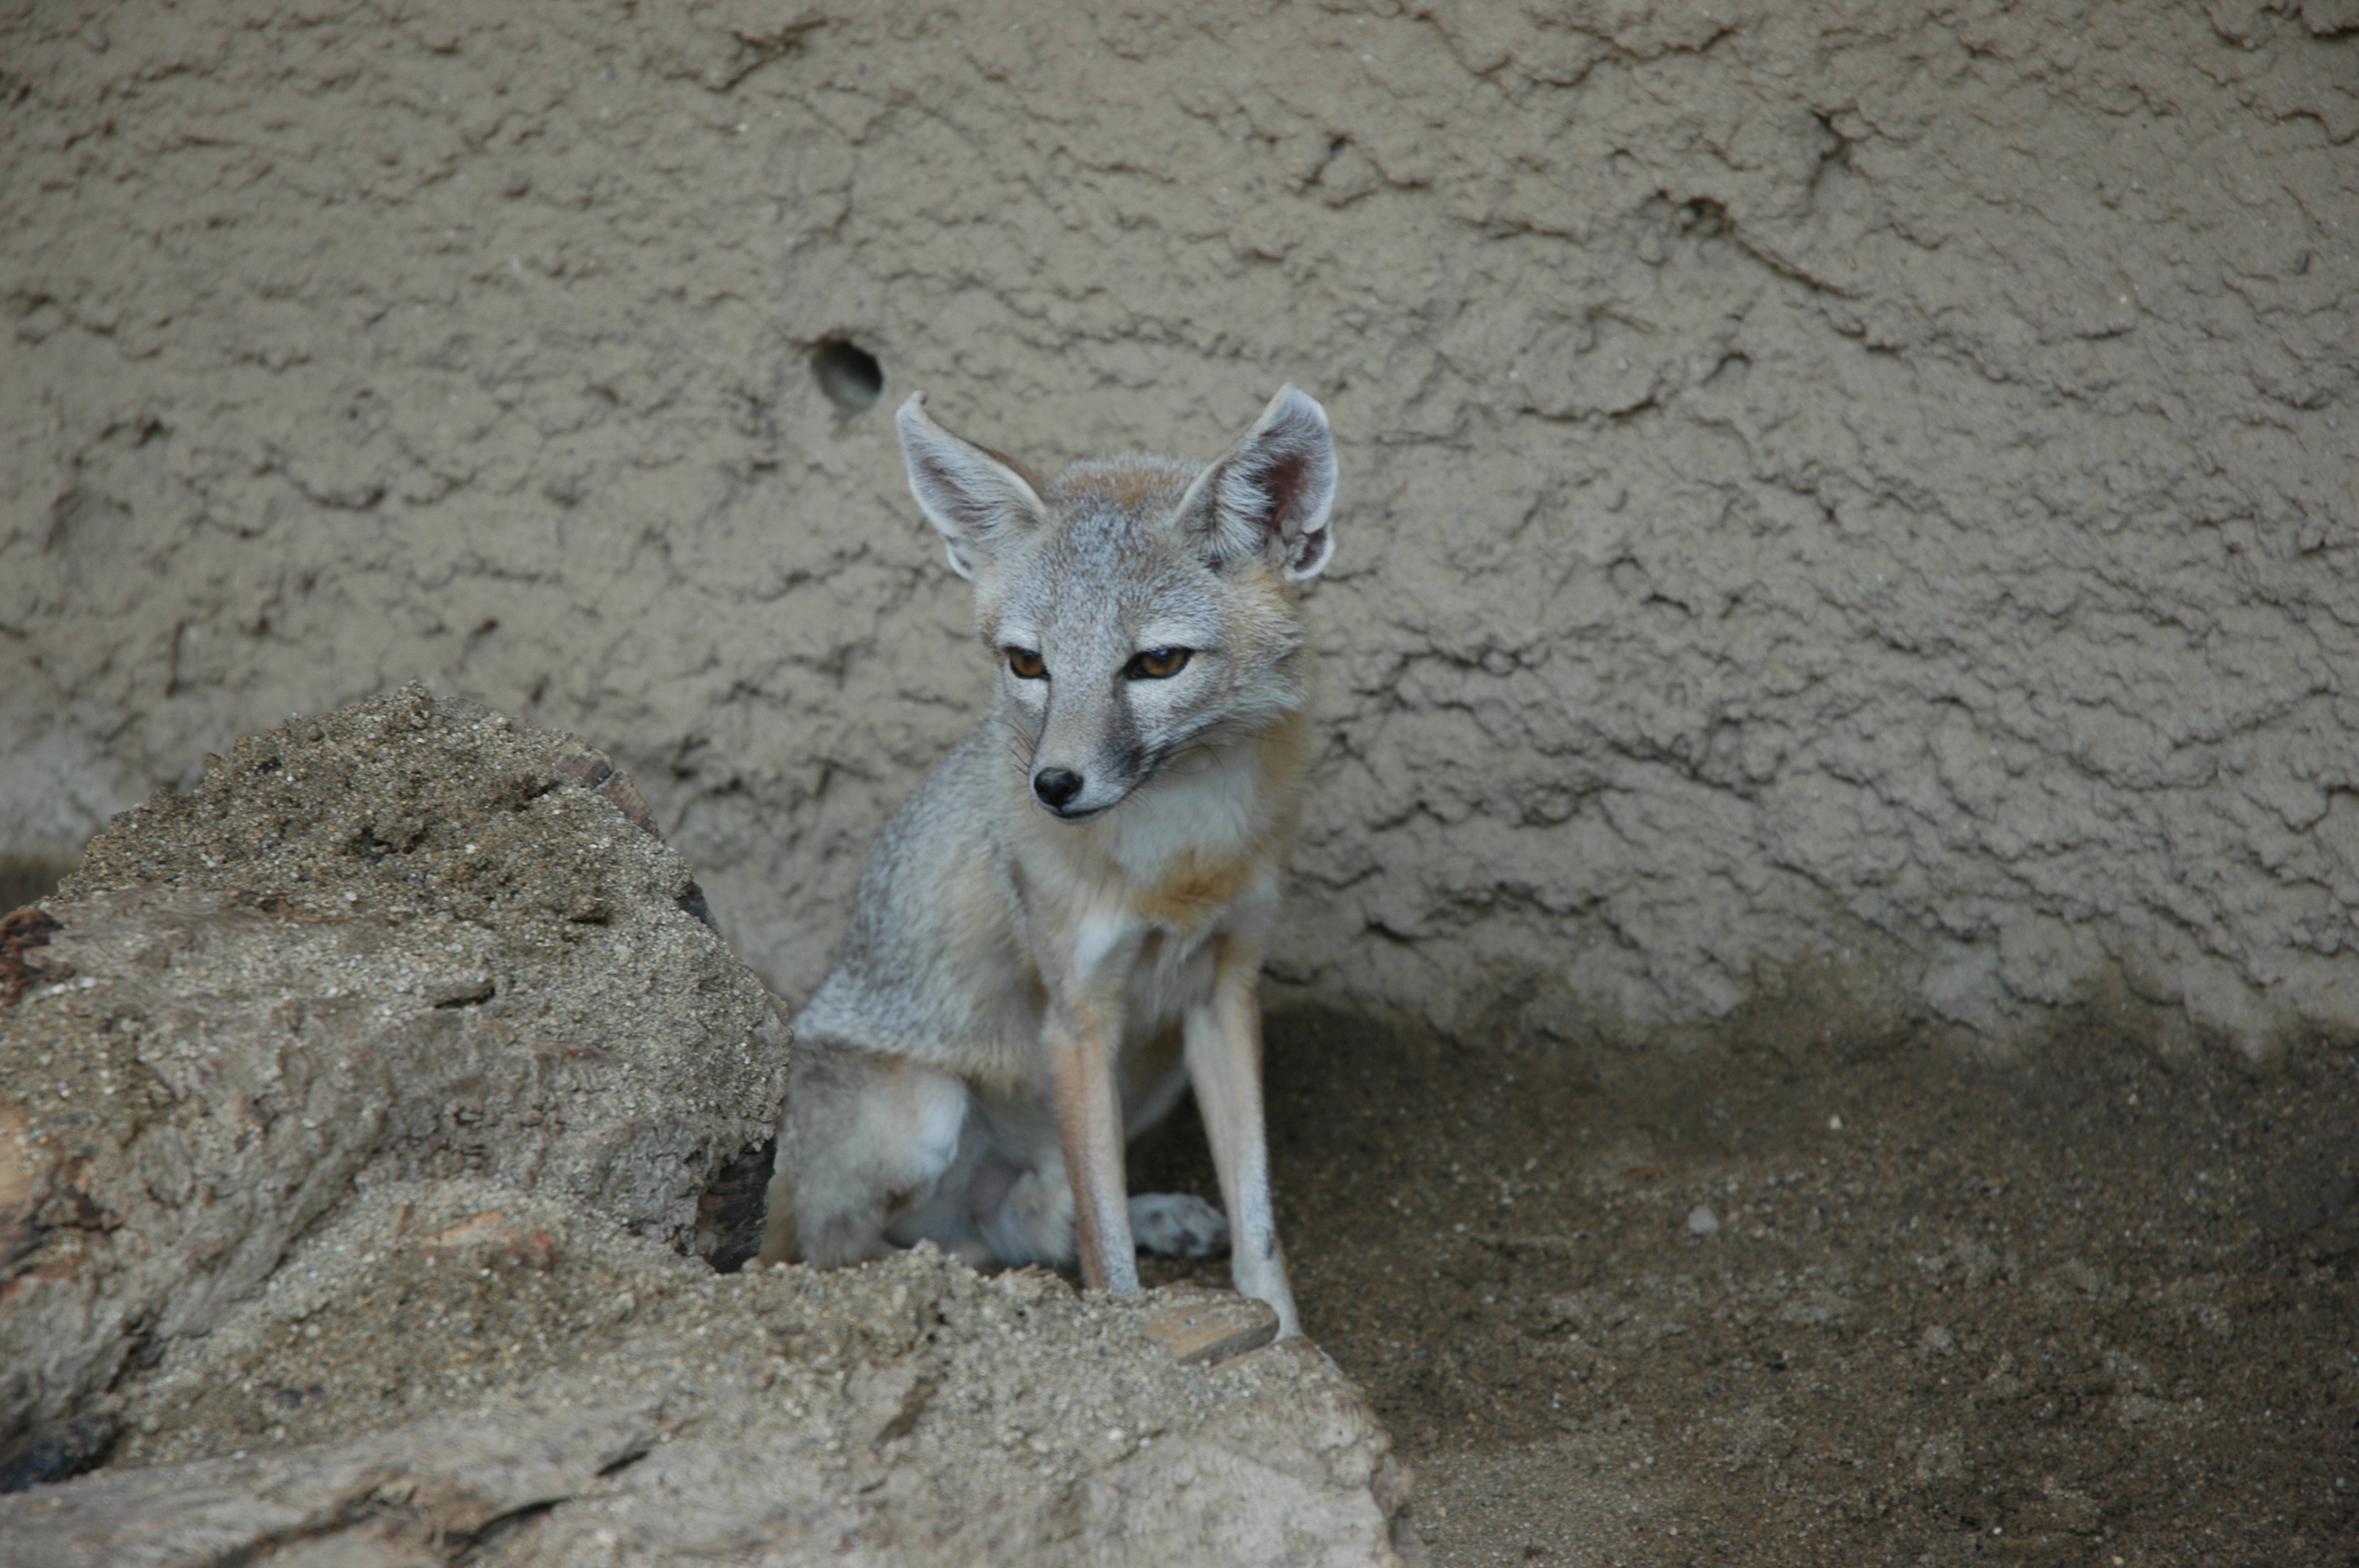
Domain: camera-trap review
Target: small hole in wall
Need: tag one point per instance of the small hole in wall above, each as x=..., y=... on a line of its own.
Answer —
x=849, y=375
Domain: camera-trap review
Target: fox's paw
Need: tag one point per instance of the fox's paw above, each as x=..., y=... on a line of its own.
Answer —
x=1177, y=1225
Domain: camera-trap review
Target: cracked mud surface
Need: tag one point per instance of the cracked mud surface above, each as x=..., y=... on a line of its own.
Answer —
x=2094, y=1305
x=1810, y=480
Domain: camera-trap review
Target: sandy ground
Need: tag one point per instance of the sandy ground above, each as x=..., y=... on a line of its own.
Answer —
x=2092, y=1305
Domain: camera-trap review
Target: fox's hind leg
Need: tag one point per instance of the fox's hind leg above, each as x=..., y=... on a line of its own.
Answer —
x=1026, y=1217
x=865, y=1140
x=1177, y=1225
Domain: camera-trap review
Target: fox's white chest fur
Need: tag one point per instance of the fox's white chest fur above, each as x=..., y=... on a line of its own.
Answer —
x=1147, y=890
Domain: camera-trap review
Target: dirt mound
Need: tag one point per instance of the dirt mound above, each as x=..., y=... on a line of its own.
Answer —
x=362, y=1115
x=430, y=1380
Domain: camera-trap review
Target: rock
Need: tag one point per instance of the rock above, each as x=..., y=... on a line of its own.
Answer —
x=1211, y=1326
x=912, y=1412
x=370, y=1120
x=1701, y=1221
x=24, y=960
x=400, y=941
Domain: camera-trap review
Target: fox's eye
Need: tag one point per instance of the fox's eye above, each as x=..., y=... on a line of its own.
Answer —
x=1158, y=664
x=1027, y=664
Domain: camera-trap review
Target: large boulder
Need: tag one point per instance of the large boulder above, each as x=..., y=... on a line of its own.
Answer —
x=542, y=1395
x=412, y=940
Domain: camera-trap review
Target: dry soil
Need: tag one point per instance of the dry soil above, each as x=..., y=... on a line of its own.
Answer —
x=2089, y=1306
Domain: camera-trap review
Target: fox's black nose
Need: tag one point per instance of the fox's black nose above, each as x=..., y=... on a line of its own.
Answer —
x=1055, y=786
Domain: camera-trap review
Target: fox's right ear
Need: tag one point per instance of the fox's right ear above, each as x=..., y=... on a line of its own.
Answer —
x=1272, y=494
x=975, y=498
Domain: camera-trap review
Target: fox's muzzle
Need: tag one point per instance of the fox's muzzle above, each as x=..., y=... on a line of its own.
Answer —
x=1087, y=759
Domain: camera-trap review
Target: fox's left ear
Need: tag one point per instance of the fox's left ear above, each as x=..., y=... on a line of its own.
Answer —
x=977, y=500
x=1271, y=495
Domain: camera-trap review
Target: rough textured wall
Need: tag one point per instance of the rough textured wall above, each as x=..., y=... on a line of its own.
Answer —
x=1867, y=485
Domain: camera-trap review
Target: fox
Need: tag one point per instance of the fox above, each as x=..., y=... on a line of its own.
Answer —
x=1063, y=928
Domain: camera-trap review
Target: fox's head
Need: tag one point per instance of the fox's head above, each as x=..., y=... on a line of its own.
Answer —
x=1137, y=606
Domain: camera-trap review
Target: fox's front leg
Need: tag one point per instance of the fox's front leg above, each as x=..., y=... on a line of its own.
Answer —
x=1085, y=1025
x=1223, y=1041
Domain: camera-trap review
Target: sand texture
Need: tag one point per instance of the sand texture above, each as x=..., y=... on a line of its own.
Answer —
x=377, y=1121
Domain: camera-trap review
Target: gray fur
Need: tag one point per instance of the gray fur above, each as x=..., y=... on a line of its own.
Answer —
x=990, y=927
